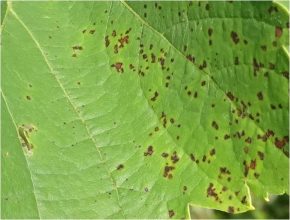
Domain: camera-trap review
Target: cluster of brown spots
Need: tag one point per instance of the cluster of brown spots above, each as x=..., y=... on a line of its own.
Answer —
x=280, y=143
x=278, y=32
x=215, y=125
x=167, y=81
x=156, y=94
x=190, y=58
x=149, y=151
x=174, y=157
x=235, y=37
x=120, y=166
x=192, y=157
x=164, y=119
x=167, y=171
x=211, y=192
x=239, y=134
x=203, y=65
x=77, y=47
x=132, y=67
x=171, y=213
x=252, y=165
x=269, y=133
x=118, y=66
x=230, y=96
x=224, y=170
x=164, y=154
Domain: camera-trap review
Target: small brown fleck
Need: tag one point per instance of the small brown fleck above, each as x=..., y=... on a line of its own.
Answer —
x=278, y=32
x=215, y=125
x=235, y=37
x=149, y=151
x=120, y=166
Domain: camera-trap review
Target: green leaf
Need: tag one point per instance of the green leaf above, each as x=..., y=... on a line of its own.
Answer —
x=138, y=109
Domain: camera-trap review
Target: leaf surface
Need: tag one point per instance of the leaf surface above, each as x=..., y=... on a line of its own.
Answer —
x=138, y=109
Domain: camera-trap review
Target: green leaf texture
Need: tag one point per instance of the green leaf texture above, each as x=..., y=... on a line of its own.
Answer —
x=140, y=109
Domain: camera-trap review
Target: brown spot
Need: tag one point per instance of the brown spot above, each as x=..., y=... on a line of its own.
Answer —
x=215, y=125
x=286, y=74
x=211, y=192
x=278, y=32
x=77, y=47
x=237, y=61
x=253, y=164
x=244, y=200
x=209, y=31
x=260, y=96
x=114, y=33
x=235, y=37
x=231, y=209
x=28, y=97
x=273, y=106
x=264, y=47
x=167, y=170
x=203, y=83
x=171, y=213
x=190, y=58
x=280, y=143
x=212, y=152
x=226, y=136
x=118, y=66
x=192, y=157
x=123, y=40
x=107, y=41
x=156, y=94
x=149, y=151
x=92, y=31
x=174, y=157
x=120, y=166
x=207, y=7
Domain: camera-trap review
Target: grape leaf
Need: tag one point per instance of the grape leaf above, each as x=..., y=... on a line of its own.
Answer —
x=139, y=109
